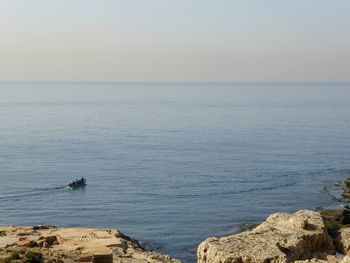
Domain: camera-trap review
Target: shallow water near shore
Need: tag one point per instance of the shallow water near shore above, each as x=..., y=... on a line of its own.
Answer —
x=169, y=164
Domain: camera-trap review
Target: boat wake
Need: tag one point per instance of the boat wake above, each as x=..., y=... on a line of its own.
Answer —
x=33, y=193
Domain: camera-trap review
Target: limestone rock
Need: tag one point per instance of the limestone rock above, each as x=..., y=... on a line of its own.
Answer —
x=85, y=258
x=7, y=241
x=50, y=240
x=346, y=259
x=328, y=259
x=77, y=245
x=281, y=238
x=103, y=258
x=342, y=242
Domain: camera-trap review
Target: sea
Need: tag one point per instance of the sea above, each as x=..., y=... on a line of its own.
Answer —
x=170, y=164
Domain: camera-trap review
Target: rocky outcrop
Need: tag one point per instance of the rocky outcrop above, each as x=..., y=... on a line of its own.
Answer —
x=69, y=245
x=329, y=259
x=282, y=238
x=342, y=241
x=334, y=220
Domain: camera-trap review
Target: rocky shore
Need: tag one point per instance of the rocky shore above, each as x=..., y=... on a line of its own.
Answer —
x=66, y=245
x=304, y=236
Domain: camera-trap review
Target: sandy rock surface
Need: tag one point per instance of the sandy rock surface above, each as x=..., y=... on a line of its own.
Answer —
x=342, y=241
x=74, y=245
x=281, y=238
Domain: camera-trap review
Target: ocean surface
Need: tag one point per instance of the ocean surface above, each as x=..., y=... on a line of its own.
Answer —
x=169, y=163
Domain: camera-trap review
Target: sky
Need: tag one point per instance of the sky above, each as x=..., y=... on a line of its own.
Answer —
x=175, y=40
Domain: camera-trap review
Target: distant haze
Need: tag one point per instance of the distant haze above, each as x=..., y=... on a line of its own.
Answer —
x=179, y=40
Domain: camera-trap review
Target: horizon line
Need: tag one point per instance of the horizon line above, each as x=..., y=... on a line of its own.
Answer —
x=174, y=82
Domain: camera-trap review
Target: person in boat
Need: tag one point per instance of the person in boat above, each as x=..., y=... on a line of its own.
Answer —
x=77, y=183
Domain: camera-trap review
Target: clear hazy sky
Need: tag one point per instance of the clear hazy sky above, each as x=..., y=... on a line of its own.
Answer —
x=175, y=40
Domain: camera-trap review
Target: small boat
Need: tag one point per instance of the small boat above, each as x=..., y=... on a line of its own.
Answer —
x=77, y=183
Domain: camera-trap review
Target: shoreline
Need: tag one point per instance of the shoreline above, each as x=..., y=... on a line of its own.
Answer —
x=67, y=245
x=317, y=236
x=303, y=236
x=323, y=231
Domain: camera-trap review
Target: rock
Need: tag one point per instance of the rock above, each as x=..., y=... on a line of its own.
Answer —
x=347, y=182
x=7, y=241
x=342, y=241
x=311, y=261
x=332, y=259
x=85, y=258
x=24, y=232
x=102, y=258
x=281, y=238
x=346, y=259
x=40, y=243
x=299, y=222
x=79, y=245
x=50, y=240
x=346, y=193
x=41, y=227
x=23, y=242
x=32, y=244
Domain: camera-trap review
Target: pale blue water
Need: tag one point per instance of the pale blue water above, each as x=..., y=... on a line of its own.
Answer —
x=169, y=164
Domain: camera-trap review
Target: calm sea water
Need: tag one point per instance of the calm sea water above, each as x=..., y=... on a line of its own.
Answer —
x=170, y=164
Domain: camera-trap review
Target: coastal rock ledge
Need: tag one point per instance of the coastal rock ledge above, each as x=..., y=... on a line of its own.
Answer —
x=67, y=245
x=298, y=237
